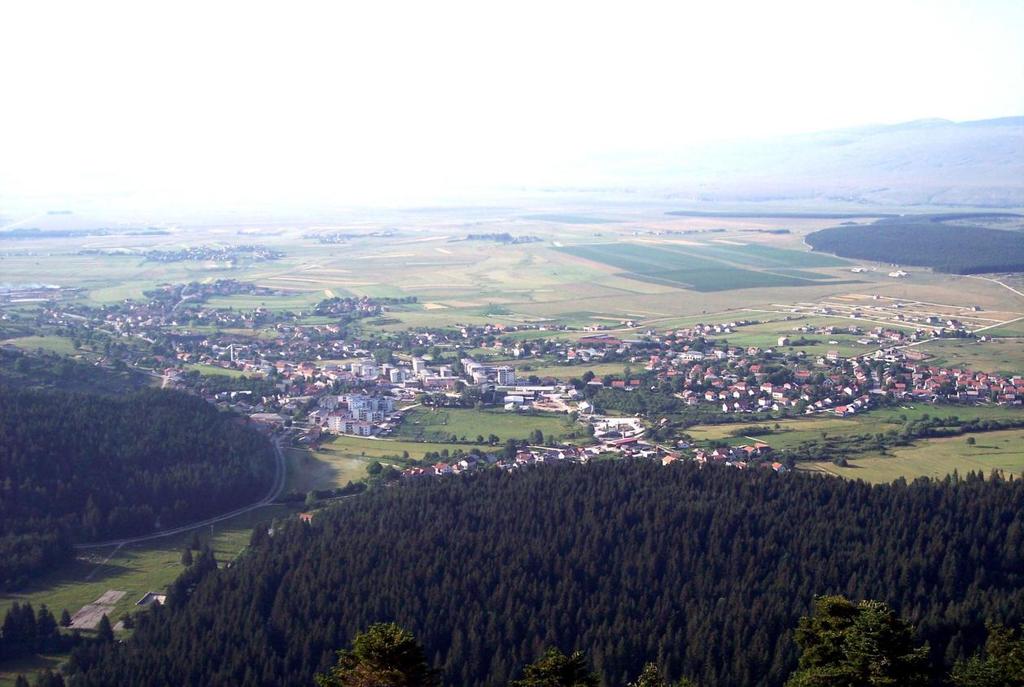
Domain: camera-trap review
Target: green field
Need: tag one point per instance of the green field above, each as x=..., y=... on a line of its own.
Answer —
x=565, y=372
x=302, y=301
x=212, y=370
x=50, y=344
x=793, y=432
x=1003, y=354
x=705, y=268
x=362, y=448
x=766, y=335
x=429, y=424
x=1003, y=450
x=1011, y=329
x=327, y=467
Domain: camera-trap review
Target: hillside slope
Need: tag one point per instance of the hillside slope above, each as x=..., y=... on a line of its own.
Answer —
x=704, y=570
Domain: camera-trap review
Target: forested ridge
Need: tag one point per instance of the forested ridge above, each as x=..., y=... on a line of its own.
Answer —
x=927, y=241
x=80, y=467
x=703, y=571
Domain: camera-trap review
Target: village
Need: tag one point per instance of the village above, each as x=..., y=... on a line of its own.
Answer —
x=321, y=379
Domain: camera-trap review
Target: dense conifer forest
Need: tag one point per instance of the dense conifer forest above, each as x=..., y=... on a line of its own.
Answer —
x=83, y=467
x=928, y=241
x=705, y=572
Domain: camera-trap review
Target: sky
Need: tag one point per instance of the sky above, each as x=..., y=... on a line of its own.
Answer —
x=221, y=102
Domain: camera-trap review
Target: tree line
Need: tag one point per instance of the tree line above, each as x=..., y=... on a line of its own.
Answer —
x=705, y=571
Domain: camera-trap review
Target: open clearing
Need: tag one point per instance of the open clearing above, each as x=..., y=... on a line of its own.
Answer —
x=213, y=370
x=88, y=617
x=324, y=468
x=437, y=425
x=1002, y=354
x=1003, y=450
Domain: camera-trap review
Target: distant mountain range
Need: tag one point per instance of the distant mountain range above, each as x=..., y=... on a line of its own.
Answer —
x=931, y=162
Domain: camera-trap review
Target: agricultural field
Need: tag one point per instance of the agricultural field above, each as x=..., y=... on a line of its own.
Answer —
x=430, y=424
x=1003, y=450
x=704, y=267
x=1004, y=355
x=792, y=432
x=729, y=261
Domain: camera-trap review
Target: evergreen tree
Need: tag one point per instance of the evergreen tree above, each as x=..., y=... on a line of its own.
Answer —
x=1002, y=664
x=65, y=618
x=186, y=557
x=555, y=669
x=104, y=632
x=385, y=655
x=48, y=678
x=847, y=645
x=650, y=676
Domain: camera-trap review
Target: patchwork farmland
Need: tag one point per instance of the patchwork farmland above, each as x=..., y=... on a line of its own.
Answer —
x=708, y=268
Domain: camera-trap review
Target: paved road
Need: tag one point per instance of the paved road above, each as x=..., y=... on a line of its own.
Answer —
x=275, y=490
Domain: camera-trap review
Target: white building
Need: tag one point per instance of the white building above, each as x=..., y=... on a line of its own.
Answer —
x=505, y=376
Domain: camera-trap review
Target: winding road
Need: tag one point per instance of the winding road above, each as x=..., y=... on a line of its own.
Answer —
x=275, y=490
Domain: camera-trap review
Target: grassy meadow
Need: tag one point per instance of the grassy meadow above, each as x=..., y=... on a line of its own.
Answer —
x=430, y=424
x=1003, y=450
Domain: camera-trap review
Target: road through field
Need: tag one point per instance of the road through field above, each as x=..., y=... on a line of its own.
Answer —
x=275, y=491
x=996, y=281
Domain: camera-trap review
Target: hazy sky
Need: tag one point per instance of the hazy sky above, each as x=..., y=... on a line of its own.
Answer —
x=228, y=102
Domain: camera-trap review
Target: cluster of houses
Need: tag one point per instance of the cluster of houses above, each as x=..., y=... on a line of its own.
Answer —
x=740, y=457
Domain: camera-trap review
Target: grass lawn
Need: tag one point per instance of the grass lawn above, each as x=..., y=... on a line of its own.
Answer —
x=1003, y=450
x=211, y=370
x=325, y=468
x=362, y=448
x=51, y=344
x=429, y=424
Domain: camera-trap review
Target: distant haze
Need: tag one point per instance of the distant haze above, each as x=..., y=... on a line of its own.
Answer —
x=222, y=105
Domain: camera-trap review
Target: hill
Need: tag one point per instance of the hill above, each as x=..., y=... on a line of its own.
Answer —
x=83, y=467
x=705, y=571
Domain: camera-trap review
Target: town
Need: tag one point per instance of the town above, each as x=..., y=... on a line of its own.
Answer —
x=326, y=378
